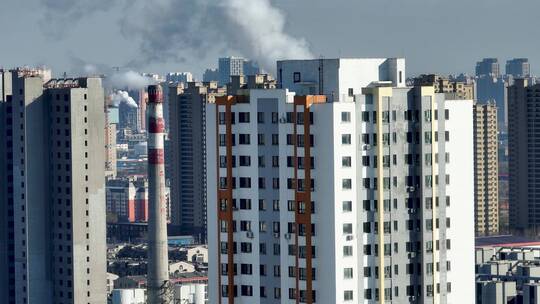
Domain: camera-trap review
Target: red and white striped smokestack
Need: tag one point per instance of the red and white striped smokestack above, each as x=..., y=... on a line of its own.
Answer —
x=158, y=286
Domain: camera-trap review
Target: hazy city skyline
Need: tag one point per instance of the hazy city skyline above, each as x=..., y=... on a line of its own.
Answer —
x=69, y=35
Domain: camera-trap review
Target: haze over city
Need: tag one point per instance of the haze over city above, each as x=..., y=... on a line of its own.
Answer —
x=269, y=151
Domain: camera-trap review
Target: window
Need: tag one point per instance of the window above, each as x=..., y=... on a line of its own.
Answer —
x=246, y=290
x=296, y=77
x=345, y=116
x=245, y=268
x=346, y=183
x=367, y=294
x=365, y=161
x=275, y=183
x=347, y=206
x=347, y=251
x=260, y=117
x=386, y=116
x=244, y=139
x=245, y=161
x=365, y=116
x=367, y=227
x=245, y=204
x=367, y=183
x=275, y=117
x=348, y=295
x=347, y=228
x=245, y=182
x=275, y=161
x=275, y=139
x=351, y=92
x=346, y=161
x=347, y=273
x=346, y=139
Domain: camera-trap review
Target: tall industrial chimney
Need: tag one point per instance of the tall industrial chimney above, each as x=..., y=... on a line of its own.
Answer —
x=158, y=287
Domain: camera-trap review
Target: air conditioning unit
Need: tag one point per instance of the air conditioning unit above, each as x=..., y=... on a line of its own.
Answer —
x=349, y=237
x=249, y=234
x=283, y=120
x=411, y=189
x=412, y=211
x=287, y=236
x=276, y=235
x=412, y=299
x=366, y=147
x=412, y=255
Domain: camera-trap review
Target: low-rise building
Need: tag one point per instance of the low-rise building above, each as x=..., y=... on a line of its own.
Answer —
x=507, y=270
x=129, y=296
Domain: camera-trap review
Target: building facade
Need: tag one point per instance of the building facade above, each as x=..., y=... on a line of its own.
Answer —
x=110, y=148
x=524, y=158
x=362, y=199
x=54, y=191
x=486, y=170
x=452, y=88
x=138, y=211
x=518, y=68
x=488, y=67
x=177, y=77
x=229, y=66
x=120, y=194
x=188, y=148
x=338, y=79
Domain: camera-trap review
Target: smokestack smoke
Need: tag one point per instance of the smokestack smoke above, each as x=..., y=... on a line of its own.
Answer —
x=129, y=79
x=120, y=96
x=253, y=28
x=171, y=30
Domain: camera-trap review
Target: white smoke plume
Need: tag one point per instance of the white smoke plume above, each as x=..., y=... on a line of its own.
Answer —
x=59, y=15
x=119, y=96
x=114, y=77
x=173, y=29
x=129, y=79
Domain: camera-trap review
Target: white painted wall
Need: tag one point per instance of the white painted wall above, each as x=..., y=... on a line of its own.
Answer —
x=128, y=296
x=191, y=293
x=461, y=210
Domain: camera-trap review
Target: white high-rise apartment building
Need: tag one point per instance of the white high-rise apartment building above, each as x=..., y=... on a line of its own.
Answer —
x=315, y=201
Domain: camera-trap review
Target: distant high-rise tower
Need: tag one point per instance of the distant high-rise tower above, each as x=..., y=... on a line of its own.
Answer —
x=110, y=146
x=53, y=190
x=488, y=67
x=523, y=156
x=518, y=68
x=230, y=66
x=486, y=190
x=141, y=111
x=211, y=75
x=178, y=77
x=187, y=158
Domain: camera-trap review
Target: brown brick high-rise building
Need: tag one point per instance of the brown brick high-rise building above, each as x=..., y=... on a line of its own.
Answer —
x=486, y=197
